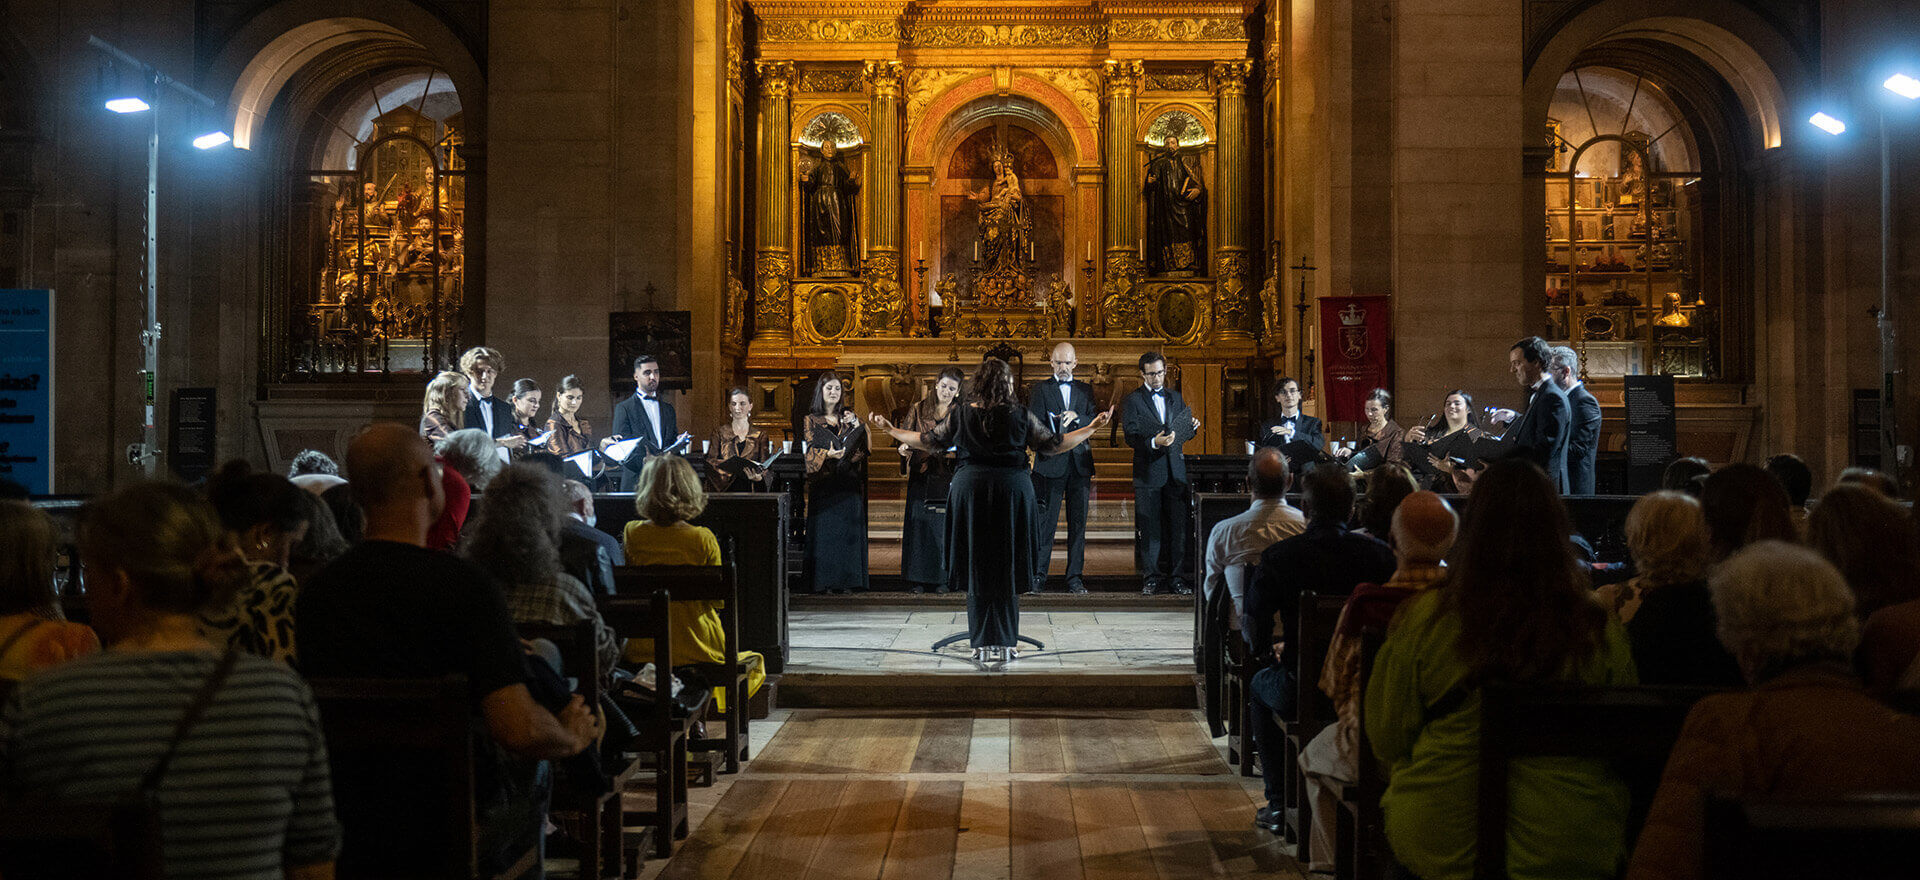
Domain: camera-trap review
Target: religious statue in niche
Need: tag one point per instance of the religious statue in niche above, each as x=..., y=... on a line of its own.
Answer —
x=1176, y=201
x=827, y=190
x=1005, y=245
x=1633, y=168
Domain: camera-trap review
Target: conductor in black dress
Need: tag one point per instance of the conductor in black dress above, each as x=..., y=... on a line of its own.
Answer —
x=643, y=415
x=1583, y=445
x=1157, y=423
x=990, y=502
x=1540, y=434
x=1062, y=403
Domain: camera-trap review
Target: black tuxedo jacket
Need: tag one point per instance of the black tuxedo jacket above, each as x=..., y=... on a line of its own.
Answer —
x=504, y=422
x=1045, y=402
x=1155, y=466
x=630, y=421
x=1583, y=445
x=1541, y=433
x=1306, y=429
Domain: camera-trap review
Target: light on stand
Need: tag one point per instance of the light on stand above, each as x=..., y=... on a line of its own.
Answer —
x=1827, y=123
x=127, y=105
x=212, y=139
x=1904, y=86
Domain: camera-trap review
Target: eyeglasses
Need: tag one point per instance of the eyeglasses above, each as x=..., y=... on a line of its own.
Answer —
x=1153, y=372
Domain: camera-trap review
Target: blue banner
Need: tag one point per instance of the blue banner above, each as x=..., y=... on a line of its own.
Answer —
x=26, y=388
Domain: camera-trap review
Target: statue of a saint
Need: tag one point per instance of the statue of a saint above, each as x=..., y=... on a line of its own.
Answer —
x=1176, y=213
x=1005, y=227
x=827, y=190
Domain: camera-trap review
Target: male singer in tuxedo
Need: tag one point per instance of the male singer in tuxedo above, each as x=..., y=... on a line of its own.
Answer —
x=1289, y=424
x=485, y=411
x=1583, y=444
x=1063, y=404
x=646, y=416
x=1540, y=434
x=1157, y=423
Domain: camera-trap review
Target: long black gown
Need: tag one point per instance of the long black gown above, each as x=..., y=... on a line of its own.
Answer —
x=990, y=514
x=836, y=507
x=923, y=537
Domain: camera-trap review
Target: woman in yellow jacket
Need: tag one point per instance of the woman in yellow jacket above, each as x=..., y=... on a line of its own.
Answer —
x=667, y=496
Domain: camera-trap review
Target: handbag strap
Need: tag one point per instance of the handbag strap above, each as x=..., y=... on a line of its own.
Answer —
x=18, y=634
x=195, y=709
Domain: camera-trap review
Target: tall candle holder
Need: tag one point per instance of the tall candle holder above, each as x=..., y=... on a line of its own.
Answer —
x=1088, y=301
x=920, y=284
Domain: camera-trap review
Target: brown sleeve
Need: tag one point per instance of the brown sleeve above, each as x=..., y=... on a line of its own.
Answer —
x=816, y=457
x=1705, y=758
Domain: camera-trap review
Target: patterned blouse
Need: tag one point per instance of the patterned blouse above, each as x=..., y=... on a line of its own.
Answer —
x=567, y=441
x=260, y=620
x=727, y=445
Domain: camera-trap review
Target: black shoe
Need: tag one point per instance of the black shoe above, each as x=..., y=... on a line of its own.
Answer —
x=916, y=589
x=1270, y=818
x=1075, y=586
x=1149, y=588
x=1180, y=588
x=941, y=590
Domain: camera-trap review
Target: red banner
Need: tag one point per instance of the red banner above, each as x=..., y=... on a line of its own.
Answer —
x=1355, y=353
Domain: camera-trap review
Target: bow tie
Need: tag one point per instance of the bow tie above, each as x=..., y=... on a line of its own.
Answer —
x=648, y=397
x=1159, y=393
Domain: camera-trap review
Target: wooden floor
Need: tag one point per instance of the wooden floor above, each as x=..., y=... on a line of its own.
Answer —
x=1041, y=794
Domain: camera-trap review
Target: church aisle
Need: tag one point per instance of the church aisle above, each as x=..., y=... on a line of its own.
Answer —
x=984, y=795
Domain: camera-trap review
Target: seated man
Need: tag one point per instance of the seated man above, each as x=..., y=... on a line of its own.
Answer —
x=1235, y=544
x=1422, y=533
x=390, y=608
x=586, y=552
x=1326, y=559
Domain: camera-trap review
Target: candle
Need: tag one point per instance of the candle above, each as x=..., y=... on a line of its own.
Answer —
x=1089, y=251
x=1143, y=250
x=863, y=251
x=923, y=252
x=976, y=252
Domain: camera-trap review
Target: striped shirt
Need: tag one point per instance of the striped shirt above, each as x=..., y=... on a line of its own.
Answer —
x=248, y=791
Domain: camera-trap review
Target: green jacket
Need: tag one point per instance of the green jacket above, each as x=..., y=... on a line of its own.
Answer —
x=1567, y=816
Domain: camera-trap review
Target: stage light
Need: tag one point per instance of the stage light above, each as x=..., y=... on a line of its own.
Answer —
x=1827, y=123
x=211, y=140
x=1904, y=86
x=127, y=105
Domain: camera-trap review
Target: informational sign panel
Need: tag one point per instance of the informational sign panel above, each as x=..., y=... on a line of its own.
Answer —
x=26, y=388
x=190, y=440
x=1650, y=431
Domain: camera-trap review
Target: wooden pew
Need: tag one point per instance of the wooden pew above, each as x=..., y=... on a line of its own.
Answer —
x=423, y=724
x=663, y=732
x=1312, y=710
x=1360, y=841
x=1859, y=836
x=1632, y=728
x=711, y=583
x=599, y=814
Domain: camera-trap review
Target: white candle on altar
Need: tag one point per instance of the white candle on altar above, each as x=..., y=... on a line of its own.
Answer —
x=923, y=252
x=976, y=252
x=1089, y=251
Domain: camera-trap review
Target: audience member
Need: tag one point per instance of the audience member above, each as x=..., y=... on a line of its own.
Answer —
x=516, y=538
x=312, y=461
x=1878, y=481
x=1871, y=540
x=1806, y=728
x=1422, y=530
x=390, y=608
x=320, y=545
x=1744, y=504
x=1325, y=558
x=470, y=452
x=458, y=493
x=1685, y=475
x=33, y=635
x=1514, y=608
x=1890, y=647
x=1797, y=479
x=1235, y=544
x=247, y=790
x=1666, y=609
x=1387, y=485
x=667, y=496
x=586, y=552
x=347, y=516
x=266, y=516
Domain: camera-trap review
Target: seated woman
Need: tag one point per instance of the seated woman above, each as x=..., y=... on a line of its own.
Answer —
x=667, y=496
x=1380, y=442
x=444, y=407
x=1447, y=436
x=1666, y=610
x=249, y=783
x=1871, y=540
x=1514, y=608
x=265, y=516
x=471, y=454
x=737, y=448
x=1744, y=505
x=1806, y=728
x=33, y=635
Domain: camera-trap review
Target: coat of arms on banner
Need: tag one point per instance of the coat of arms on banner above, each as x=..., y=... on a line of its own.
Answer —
x=1353, y=332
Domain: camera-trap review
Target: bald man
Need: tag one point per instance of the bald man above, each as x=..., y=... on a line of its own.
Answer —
x=1423, y=531
x=1062, y=403
x=390, y=608
x=1235, y=544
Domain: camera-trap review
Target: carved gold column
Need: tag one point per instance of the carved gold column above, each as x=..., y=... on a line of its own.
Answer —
x=882, y=312
x=773, y=274
x=1122, y=314
x=1233, y=312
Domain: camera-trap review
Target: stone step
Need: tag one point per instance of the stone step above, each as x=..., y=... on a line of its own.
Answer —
x=974, y=689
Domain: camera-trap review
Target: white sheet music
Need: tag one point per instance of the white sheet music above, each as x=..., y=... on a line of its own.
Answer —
x=506, y=457
x=769, y=462
x=583, y=461
x=540, y=440
x=622, y=450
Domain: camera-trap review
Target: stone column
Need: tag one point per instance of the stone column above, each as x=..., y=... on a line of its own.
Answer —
x=773, y=272
x=885, y=306
x=1121, y=313
x=1233, y=312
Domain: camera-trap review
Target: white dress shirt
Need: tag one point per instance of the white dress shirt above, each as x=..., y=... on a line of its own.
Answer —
x=1159, y=403
x=651, y=403
x=1237, y=542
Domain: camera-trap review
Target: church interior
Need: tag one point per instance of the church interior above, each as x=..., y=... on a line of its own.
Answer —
x=319, y=205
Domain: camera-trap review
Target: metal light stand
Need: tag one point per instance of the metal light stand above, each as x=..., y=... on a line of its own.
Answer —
x=1301, y=306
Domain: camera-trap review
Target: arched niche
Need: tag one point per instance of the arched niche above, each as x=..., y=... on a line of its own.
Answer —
x=1042, y=154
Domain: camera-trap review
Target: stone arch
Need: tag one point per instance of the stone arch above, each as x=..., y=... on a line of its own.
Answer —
x=1071, y=135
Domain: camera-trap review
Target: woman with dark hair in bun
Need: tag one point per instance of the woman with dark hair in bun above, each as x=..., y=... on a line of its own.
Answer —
x=246, y=782
x=265, y=517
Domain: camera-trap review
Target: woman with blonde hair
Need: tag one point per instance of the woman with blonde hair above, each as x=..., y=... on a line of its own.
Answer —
x=445, y=406
x=1666, y=608
x=667, y=496
x=33, y=634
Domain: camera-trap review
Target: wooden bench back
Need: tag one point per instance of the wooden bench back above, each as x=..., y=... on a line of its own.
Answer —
x=638, y=615
x=1318, y=617
x=1863, y=836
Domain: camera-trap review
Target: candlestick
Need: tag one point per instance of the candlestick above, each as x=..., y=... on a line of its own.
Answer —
x=1089, y=251
x=976, y=252
x=923, y=252
x=1143, y=250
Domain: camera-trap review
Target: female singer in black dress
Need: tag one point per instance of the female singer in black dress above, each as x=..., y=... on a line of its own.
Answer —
x=990, y=504
x=836, y=491
x=923, y=541
x=1446, y=436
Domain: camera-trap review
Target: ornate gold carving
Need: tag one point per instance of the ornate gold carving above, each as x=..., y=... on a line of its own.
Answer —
x=1230, y=304
x=1177, y=30
x=830, y=30
x=776, y=78
x=1019, y=323
x=882, y=303
x=1178, y=313
x=1189, y=80
x=830, y=79
x=926, y=84
x=950, y=35
x=824, y=313
x=1123, y=77
x=1059, y=307
x=1121, y=304
x=772, y=289
x=733, y=324
x=1272, y=322
x=1080, y=84
x=1230, y=77
x=883, y=77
